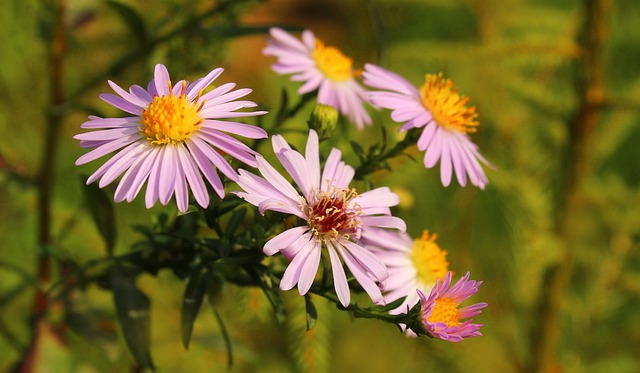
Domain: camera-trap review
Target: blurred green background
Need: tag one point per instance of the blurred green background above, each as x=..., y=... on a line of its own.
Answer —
x=555, y=235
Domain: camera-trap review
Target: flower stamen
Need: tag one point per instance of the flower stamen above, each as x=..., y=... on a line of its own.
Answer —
x=333, y=64
x=448, y=108
x=445, y=311
x=332, y=214
x=171, y=119
x=428, y=259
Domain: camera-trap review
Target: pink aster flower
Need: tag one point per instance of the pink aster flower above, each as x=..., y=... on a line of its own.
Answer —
x=320, y=67
x=443, y=113
x=173, y=138
x=334, y=217
x=441, y=317
x=412, y=264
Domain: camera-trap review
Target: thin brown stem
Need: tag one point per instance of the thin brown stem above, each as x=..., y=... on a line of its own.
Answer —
x=45, y=182
x=591, y=88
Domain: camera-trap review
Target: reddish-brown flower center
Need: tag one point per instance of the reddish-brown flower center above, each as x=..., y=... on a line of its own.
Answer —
x=332, y=214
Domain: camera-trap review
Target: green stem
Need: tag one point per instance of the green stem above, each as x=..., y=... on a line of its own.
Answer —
x=376, y=163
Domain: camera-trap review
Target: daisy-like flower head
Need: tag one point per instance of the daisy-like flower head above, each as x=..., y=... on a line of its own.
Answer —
x=412, y=264
x=440, y=314
x=173, y=138
x=334, y=215
x=443, y=113
x=320, y=67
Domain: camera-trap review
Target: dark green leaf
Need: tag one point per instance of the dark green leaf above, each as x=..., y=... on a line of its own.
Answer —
x=103, y=214
x=238, y=30
x=281, y=115
x=197, y=286
x=358, y=150
x=312, y=313
x=133, y=308
x=227, y=340
x=271, y=291
x=133, y=20
x=235, y=221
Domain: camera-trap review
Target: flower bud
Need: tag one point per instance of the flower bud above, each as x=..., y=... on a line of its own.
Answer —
x=323, y=120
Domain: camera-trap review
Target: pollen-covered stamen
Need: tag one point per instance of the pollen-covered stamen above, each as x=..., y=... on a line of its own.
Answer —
x=333, y=214
x=333, y=64
x=428, y=259
x=448, y=108
x=171, y=119
x=445, y=310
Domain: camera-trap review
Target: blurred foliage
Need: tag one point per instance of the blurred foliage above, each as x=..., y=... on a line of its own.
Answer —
x=555, y=236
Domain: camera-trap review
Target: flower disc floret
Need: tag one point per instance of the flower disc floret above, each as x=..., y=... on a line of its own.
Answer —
x=171, y=119
x=330, y=60
x=333, y=215
x=440, y=315
x=428, y=259
x=448, y=108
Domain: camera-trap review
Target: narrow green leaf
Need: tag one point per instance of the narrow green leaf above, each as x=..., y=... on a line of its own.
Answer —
x=271, y=291
x=227, y=340
x=102, y=212
x=281, y=114
x=236, y=30
x=197, y=286
x=235, y=221
x=312, y=313
x=133, y=20
x=133, y=308
x=357, y=149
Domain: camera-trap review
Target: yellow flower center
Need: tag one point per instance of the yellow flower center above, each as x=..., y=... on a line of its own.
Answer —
x=171, y=119
x=448, y=108
x=333, y=64
x=446, y=311
x=332, y=215
x=428, y=259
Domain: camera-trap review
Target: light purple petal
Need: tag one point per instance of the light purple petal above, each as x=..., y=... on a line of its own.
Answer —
x=167, y=178
x=107, y=148
x=204, y=163
x=194, y=89
x=384, y=222
x=310, y=268
x=339, y=277
x=182, y=196
x=240, y=129
x=121, y=103
x=291, y=275
x=161, y=79
x=193, y=176
x=283, y=240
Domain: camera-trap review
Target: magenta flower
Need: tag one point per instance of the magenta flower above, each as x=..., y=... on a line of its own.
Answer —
x=173, y=138
x=441, y=317
x=319, y=67
x=334, y=217
x=442, y=112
